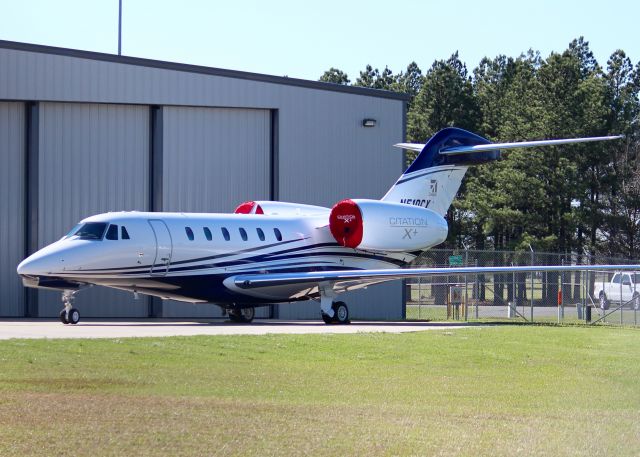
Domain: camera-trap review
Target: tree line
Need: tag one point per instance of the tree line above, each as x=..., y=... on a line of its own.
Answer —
x=573, y=198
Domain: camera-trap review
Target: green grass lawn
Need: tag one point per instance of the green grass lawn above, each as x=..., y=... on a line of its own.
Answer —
x=494, y=391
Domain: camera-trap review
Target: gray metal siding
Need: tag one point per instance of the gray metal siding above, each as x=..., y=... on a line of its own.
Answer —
x=381, y=301
x=93, y=159
x=348, y=161
x=324, y=153
x=213, y=160
x=12, y=217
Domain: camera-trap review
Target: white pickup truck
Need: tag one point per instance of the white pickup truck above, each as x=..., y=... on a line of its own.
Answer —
x=623, y=288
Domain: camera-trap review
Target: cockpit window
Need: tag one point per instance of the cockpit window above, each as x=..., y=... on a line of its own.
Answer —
x=90, y=231
x=124, y=235
x=73, y=230
x=112, y=232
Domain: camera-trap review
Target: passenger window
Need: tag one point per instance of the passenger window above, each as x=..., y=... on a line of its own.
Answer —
x=225, y=233
x=207, y=233
x=189, y=233
x=616, y=279
x=112, y=232
x=278, y=234
x=260, y=234
x=124, y=235
x=243, y=234
x=626, y=280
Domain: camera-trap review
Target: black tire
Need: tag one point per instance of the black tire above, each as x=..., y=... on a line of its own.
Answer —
x=243, y=315
x=341, y=311
x=247, y=314
x=604, y=303
x=63, y=317
x=73, y=316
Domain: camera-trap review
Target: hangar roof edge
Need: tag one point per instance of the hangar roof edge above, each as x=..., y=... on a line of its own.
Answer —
x=161, y=64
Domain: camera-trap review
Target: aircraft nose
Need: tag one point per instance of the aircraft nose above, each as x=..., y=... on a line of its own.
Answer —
x=36, y=265
x=28, y=267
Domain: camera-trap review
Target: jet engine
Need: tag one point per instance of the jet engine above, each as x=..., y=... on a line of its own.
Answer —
x=385, y=226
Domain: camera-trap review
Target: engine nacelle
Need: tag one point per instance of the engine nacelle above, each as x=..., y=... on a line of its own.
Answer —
x=384, y=226
x=271, y=208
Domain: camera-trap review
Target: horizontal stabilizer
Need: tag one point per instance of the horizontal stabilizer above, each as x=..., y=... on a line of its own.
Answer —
x=523, y=144
x=410, y=146
x=453, y=150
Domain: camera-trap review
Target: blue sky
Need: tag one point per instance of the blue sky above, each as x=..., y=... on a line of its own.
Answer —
x=302, y=39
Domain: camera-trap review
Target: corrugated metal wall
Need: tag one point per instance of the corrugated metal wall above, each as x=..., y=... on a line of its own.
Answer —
x=216, y=137
x=213, y=160
x=348, y=161
x=12, y=217
x=93, y=159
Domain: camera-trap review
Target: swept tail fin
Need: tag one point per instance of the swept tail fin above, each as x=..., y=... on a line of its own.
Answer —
x=433, y=179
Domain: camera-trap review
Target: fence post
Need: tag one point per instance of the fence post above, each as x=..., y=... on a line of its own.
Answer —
x=477, y=290
x=587, y=282
x=620, y=302
x=513, y=290
x=604, y=311
x=466, y=282
x=560, y=301
x=533, y=262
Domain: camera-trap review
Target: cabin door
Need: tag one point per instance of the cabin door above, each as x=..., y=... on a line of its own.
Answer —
x=164, y=247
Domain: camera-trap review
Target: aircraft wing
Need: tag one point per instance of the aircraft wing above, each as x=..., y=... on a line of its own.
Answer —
x=349, y=278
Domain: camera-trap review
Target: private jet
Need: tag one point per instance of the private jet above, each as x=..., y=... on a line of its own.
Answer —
x=276, y=252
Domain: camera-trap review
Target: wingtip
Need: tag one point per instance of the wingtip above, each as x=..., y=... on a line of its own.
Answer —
x=410, y=146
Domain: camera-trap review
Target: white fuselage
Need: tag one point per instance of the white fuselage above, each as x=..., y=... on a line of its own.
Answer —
x=188, y=256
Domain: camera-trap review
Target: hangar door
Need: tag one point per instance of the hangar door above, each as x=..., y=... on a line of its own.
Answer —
x=92, y=159
x=12, y=218
x=213, y=160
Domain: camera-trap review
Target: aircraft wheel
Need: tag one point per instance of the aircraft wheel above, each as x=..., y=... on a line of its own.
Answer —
x=604, y=303
x=248, y=314
x=63, y=316
x=73, y=316
x=243, y=315
x=341, y=315
x=326, y=318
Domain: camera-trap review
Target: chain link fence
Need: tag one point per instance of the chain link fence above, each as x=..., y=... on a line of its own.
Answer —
x=591, y=296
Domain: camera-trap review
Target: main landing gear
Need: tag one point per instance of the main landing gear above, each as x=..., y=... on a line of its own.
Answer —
x=69, y=314
x=340, y=314
x=332, y=312
x=242, y=315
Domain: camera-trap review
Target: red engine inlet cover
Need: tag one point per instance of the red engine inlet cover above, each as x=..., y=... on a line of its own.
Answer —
x=345, y=223
x=247, y=208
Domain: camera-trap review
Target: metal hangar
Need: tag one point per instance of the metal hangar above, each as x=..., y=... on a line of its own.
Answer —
x=83, y=133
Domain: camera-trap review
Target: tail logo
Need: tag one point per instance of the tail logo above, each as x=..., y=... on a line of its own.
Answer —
x=347, y=218
x=433, y=188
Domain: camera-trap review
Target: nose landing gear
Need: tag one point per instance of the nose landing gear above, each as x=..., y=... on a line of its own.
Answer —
x=69, y=314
